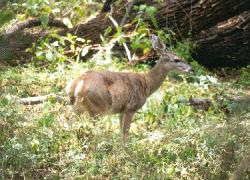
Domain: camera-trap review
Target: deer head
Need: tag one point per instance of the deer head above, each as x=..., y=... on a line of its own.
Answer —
x=169, y=59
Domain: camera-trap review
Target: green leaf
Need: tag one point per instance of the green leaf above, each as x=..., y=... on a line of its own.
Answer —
x=4, y=101
x=47, y=120
x=56, y=10
x=52, y=99
x=39, y=55
x=49, y=56
x=107, y=30
x=151, y=10
x=56, y=43
x=121, y=41
x=72, y=47
x=5, y=16
x=44, y=20
x=142, y=7
x=80, y=40
x=85, y=51
x=67, y=22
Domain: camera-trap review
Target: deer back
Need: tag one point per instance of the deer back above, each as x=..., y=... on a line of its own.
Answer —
x=108, y=92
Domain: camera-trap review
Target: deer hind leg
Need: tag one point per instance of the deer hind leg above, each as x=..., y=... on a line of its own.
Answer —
x=125, y=122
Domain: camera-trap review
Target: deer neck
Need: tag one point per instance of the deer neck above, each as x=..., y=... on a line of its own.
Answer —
x=156, y=77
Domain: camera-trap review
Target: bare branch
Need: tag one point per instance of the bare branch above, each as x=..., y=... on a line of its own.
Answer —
x=41, y=99
x=33, y=22
x=128, y=10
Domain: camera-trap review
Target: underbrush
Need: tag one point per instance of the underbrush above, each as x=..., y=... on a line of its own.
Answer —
x=169, y=139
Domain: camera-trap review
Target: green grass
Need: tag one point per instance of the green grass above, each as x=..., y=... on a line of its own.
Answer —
x=168, y=139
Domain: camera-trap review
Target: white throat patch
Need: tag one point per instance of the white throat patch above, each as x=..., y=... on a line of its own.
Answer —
x=78, y=87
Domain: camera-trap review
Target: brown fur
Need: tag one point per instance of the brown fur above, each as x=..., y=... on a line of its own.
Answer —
x=99, y=93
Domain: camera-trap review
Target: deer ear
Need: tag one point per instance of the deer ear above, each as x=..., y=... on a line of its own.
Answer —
x=157, y=44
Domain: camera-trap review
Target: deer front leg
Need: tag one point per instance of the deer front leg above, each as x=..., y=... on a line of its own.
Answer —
x=121, y=121
x=125, y=121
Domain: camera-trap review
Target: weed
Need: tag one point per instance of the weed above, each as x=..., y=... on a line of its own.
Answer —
x=169, y=138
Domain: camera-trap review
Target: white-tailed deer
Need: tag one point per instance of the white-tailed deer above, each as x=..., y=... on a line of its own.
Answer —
x=105, y=92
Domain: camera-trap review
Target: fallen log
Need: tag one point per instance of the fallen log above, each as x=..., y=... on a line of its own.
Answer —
x=33, y=22
x=226, y=44
x=189, y=18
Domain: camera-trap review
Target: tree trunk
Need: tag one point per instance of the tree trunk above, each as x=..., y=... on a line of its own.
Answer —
x=204, y=22
x=226, y=44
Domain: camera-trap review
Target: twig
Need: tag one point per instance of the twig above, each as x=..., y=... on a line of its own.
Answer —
x=123, y=21
x=127, y=51
x=198, y=103
x=41, y=99
x=71, y=9
x=124, y=44
x=128, y=10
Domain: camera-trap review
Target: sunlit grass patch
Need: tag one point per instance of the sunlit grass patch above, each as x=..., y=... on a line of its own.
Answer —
x=168, y=137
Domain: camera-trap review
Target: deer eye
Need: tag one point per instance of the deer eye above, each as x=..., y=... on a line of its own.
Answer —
x=177, y=60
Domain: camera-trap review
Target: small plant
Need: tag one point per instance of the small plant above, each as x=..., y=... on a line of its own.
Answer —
x=6, y=15
x=244, y=79
x=170, y=138
x=52, y=53
x=139, y=39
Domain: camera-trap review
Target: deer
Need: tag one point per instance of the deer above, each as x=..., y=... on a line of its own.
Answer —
x=100, y=93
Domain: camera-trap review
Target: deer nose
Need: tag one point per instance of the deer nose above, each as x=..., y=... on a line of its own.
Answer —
x=191, y=71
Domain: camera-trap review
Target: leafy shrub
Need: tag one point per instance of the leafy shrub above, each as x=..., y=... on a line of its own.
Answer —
x=244, y=79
